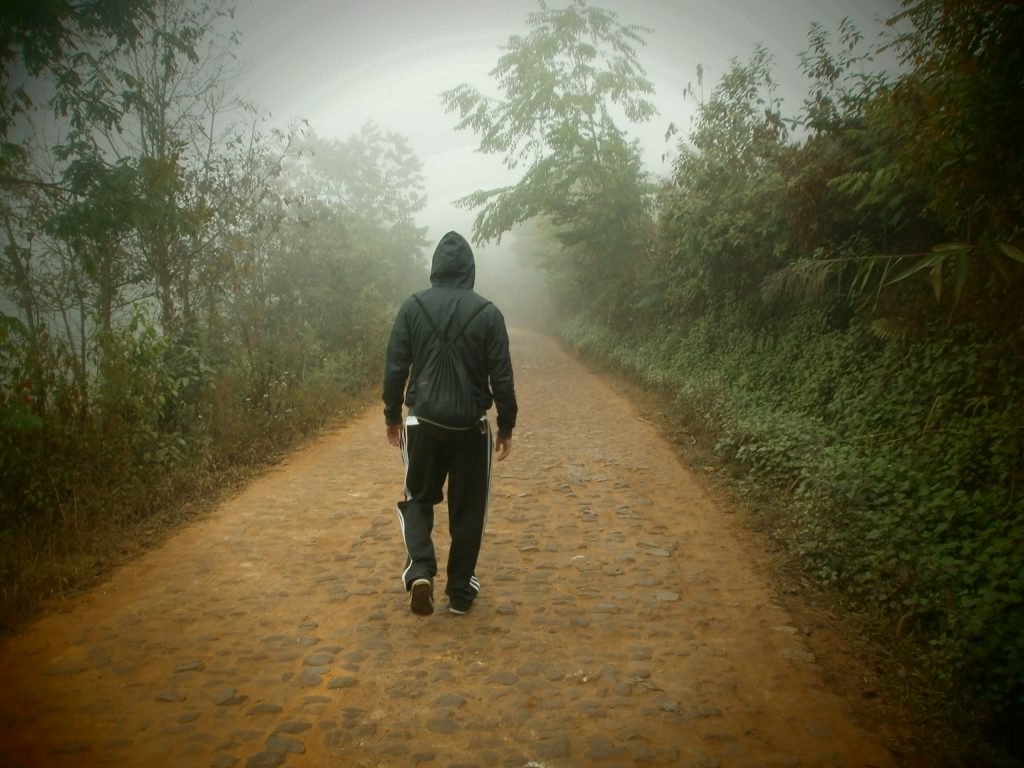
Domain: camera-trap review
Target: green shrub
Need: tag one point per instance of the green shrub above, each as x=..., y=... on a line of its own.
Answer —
x=899, y=461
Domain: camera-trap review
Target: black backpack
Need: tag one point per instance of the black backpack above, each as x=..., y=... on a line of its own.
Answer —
x=444, y=392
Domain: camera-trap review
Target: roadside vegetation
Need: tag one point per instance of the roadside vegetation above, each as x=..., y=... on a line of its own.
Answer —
x=184, y=293
x=831, y=294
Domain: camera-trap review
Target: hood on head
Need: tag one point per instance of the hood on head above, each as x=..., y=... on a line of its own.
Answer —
x=453, y=265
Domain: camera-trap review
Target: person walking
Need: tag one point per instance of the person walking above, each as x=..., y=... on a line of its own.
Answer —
x=448, y=360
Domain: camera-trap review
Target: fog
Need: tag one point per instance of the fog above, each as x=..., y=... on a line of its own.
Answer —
x=338, y=65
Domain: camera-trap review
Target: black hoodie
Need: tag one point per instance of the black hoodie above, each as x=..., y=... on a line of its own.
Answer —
x=483, y=346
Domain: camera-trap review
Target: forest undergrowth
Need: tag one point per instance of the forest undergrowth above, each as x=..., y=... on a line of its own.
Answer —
x=879, y=510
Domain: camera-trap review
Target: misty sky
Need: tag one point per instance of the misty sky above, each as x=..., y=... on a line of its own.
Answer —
x=340, y=63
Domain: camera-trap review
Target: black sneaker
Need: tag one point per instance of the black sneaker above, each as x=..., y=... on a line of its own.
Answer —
x=422, y=601
x=458, y=610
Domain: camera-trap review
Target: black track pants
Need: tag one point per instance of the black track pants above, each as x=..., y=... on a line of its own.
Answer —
x=464, y=460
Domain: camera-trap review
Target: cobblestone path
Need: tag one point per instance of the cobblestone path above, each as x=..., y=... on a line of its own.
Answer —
x=622, y=621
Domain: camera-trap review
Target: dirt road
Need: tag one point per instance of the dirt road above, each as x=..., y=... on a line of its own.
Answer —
x=622, y=621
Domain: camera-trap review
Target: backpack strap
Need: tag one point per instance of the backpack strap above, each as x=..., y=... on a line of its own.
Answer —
x=437, y=331
x=465, y=325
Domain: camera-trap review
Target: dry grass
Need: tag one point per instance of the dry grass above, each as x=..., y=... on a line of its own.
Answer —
x=106, y=526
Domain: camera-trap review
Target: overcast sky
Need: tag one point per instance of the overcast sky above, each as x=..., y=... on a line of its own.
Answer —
x=340, y=63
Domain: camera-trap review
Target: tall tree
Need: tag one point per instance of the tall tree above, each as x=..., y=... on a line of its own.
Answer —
x=955, y=115
x=563, y=87
x=720, y=214
x=39, y=44
x=144, y=123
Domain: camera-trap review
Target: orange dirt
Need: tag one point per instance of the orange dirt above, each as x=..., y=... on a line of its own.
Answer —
x=623, y=620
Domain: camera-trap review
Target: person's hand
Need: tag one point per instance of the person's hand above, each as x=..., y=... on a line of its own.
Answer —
x=394, y=435
x=503, y=447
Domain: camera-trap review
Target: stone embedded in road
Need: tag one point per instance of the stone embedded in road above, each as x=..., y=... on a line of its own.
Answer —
x=246, y=736
x=342, y=682
x=308, y=679
x=552, y=749
x=169, y=696
x=66, y=669
x=666, y=596
x=318, y=660
x=292, y=726
x=705, y=710
x=228, y=697
x=442, y=726
x=99, y=657
x=265, y=709
x=337, y=739
x=278, y=639
x=70, y=748
x=452, y=700
x=196, y=665
x=284, y=744
x=265, y=760
x=602, y=748
x=503, y=678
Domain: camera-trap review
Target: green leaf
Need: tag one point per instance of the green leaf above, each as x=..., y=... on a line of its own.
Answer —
x=960, y=275
x=919, y=265
x=17, y=419
x=937, y=279
x=11, y=324
x=1012, y=252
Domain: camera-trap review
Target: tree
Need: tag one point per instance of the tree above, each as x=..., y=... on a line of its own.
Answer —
x=926, y=169
x=563, y=86
x=720, y=215
x=38, y=39
x=376, y=180
x=173, y=92
x=958, y=108
x=39, y=45
x=847, y=197
x=956, y=125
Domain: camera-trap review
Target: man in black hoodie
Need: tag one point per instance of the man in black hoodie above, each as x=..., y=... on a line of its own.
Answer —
x=452, y=324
